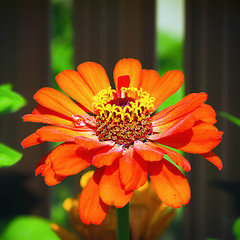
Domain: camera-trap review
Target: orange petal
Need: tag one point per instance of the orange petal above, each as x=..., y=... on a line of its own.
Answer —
x=131, y=67
x=58, y=102
x=205, y=113
x=50, y=178
x=150, y=79
x=177, y=158
x=111, y=189
x=91, y=208
x=133, y=170
x=214, y=159
x=40, y=166
x=148, y=152
x=94, y=75
x=178, y=126
x=92, y=143
x=201, y=138
x=168, y=84
x=49, y=119
x=31, y=140
x=66, y=161
x=180, y=109
x=169, y=183
x=45, y=168
x=56, y=134
x=41, y=110
x=74, y=85
x=106, y=156
x=46, y=115
x=165, y=112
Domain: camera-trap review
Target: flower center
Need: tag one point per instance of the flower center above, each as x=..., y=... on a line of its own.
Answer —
x=121, y=102
x=124, y=119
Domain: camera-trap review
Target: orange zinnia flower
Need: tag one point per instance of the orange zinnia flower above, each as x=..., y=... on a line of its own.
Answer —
x=117, y=132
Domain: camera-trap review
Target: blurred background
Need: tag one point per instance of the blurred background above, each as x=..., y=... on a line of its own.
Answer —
x=41, y=38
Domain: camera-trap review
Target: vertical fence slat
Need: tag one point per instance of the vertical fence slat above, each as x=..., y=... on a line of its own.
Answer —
x=212, y=52
x=27, y=68
x=106, y=31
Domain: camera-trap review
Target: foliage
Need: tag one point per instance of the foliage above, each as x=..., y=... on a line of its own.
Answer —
x=26, y=228
x=169, y=57
x=169, y=52
x=10, y=101
x=62, y=36
x=231, y=118
x=236, y=229
x=8, y=156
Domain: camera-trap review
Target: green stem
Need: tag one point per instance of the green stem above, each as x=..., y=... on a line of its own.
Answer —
x=123, y=223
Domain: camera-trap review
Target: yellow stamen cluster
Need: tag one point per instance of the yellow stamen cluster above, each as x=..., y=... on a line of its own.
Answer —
x=124, y=119
x=142, y=104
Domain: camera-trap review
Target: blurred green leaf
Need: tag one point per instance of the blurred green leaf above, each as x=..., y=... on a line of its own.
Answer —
x=10, y=101
x=8, y=156
x=236, y=228
x=170, y=57
x=169, y=52
x=28, y=228
x=231, y=118
x=62, y=36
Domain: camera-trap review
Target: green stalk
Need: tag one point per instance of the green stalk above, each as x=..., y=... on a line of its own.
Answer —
x=123, y=223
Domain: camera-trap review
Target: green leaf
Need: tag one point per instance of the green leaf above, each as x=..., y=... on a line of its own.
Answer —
x=236, y=228
x=231, y=118
x=212, y=239
x=10, y=101
x=28, y=228
x=8, y=156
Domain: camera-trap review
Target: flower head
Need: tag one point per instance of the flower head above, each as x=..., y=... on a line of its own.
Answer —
x=118, y=132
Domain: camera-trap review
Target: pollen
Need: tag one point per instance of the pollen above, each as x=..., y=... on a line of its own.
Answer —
x=123, y=119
